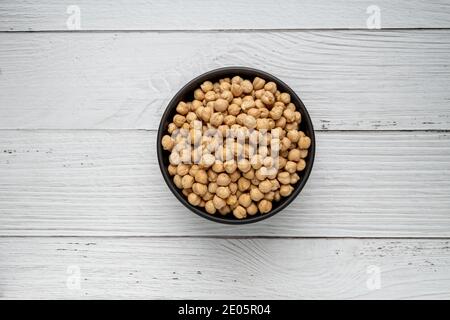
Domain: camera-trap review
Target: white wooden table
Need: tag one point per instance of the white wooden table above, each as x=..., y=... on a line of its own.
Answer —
x=84, y=212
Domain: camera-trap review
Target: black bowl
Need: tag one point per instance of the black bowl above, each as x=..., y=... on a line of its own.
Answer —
x=186, y=93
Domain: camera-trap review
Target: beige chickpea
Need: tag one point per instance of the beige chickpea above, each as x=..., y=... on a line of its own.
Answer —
x=256, y=161
x=271, y=87
x=225, y=210
x=233, y=187
x=218, y=202
x=259, y=94
x=223, y=179
x=286, y=190
x=254, y=112
x=258, y=83
x=235, y=175
x=179, y=120
x=172, y=169
x=294, y=178
x=243, y=184
x=210, y=96
x=236, y=90
x=212, y=176
x=291, y=126
x=223, y=192
x=244, y=165
x=281, y=123
x=207, y=196
x=182, y=108
x=209, y=207
x=201, y=176
x=284, y=177
x=256, y=194
x=190, y=117
x=230, y=166
x=290, y=166
x=236, y=79
x=183, y=169
x=275, y=184
x=267, y=98
x=220, y=105
x=252, y=209
x=199, y=94
x=167, y=142
x=229, y=120
x=247, y=86
x=304, y=142
x=174, y=158
x=194, y=199
x=224, y=86
x=264, y=206
x=293, y=135
x=206, y=114
x=171, y=128
x=294, y=155
x=207, y=86
x=231, y=200
x=277, y=196
x=240, y=212
x=301, y=165
x=177, y=181
x=250, y=122
x=289, y=115
x=285, y=98
x=303, y=153
x=218, y=167
x=193, y=170
x=263, y=124
x=212, y=187
x=207, y=160
x=216, y=119
x=261, y=174
x=241, y=118
x=227, y=96
x=199, y=189
x=234, y=109
x=265, y=186
x=245, y=200
x=255, y=182
x=269, y=196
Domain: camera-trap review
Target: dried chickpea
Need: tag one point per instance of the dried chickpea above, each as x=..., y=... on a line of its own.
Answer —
x=245, y=200
x=199, y=94
x=243, y=184
x=225, y=210
x=223, y=179
x=290, y=166
x=220, y=105
x=212, y=187
x=294, y=155
x=219, y=202
x=286, y=190
x=235, y=176
x=236, y=90
x=285, y=98
x=304, y=142
x=167, y=143
x=270, y=87
x=223, y=192
x=301, y=165
x=267, y=98
x=265, y=186
x=199, y=189
x=172, y=169
x=209, y=207
x=239, y=212
x=187, y=181
x=234, y=109
x=256, y=194
x=194, y=199
x=252, y=209
x=244, y=165
x=179, y=120
x=258, y=83
x=201, y=176
x=247, y=86
x=284, y=177
x=264, y=206
x=218, y=167
x=232, y=200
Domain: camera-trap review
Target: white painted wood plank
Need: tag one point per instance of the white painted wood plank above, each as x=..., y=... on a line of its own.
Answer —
x=29, y=15
x=108, y=183
x=180, y=268
x=347, y=79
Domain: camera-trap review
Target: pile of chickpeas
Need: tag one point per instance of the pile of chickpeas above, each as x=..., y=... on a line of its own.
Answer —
x=238, y=177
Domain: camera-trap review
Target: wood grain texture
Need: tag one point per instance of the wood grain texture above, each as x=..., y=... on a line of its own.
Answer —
x=29, y=15
x=179, y=268
x=108, y=183
x=348, y=79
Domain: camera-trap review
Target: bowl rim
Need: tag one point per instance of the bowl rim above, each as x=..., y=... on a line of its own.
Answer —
x=223, y=72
